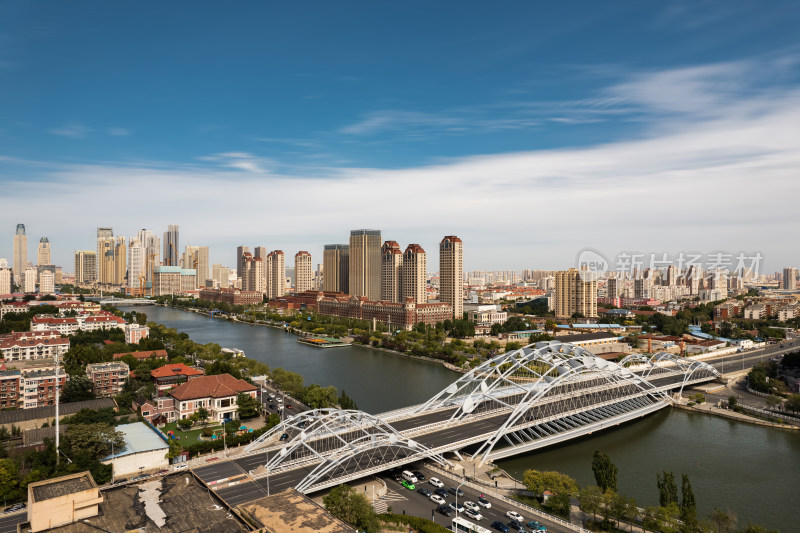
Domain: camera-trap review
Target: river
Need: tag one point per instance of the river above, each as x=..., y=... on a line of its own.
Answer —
x=752, y=470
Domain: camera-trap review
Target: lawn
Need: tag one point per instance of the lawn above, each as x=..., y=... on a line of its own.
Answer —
x=192, y=435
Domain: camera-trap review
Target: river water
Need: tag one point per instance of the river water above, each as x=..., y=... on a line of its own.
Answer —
x=752, y=470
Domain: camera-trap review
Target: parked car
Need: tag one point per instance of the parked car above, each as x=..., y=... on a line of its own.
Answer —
x=499, y=526
x=182, y=466
x=513, y=515
x=408, y=485
x=475, y=515
x=483, y=502
x=458, y=492
x=445, y=510
x=425, y=492
x=435, y=498
x=435, y=482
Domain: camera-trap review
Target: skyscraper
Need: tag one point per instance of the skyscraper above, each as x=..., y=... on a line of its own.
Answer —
x=790, y=278
x=120, y=260
x=196, y=257
x=5, y=280
x=253, y=274
x=612, y=288
x=365, y=263
x=20, y=253
x=336, y=268
x=302, y=272
x=261, y=252
x=171, y=246
x=276, y=274
x=152, y=250
x=576, y=292
x=43, y=254
x=240, y=251
x=451, y=274
x=137, y=274
x=391, y=271
x=85, y=266
x=29, y=280
x=415, y=274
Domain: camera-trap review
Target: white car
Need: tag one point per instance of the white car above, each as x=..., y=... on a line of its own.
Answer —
x=475, y=515
x=438, y=500
x=483, y=502
x=435, y=482
x=182, y=466
x=472, y=506
x=513, y=515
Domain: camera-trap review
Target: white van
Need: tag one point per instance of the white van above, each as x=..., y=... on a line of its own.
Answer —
x=408, y=476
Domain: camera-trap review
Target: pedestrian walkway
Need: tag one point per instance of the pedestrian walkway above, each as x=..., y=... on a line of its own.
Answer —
x=381, y=505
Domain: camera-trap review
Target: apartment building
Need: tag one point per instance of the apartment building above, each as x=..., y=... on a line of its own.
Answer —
x=38, y=387
x=414, y=268
x=451, y=272
x=108, y=379
x=576, y=292
x=336, y=268
x=365, y=263
x=391, y=271
x=276, y=274
x=303, y=274
x=31, y=345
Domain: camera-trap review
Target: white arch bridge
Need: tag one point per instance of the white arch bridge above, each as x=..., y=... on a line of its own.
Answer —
x=539, y=395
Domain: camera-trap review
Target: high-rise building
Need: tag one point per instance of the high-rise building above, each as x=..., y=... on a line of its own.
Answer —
x=672, y=276
x=137, y=274
x=196, y=257
x=451, y=274
x=336, y=268
x=240, y=251
x=415, y=274
x=253, y=275
x=47, y=282
x=20, y=253
x=576, y=292
x=790, y=279
x=365, y=263
x=29, y=280
x=102, y=235
x=120, y=260
x=152, y=251
x=303, y=272
x=105, y=259
x=276, y=274
x=85, y=266
x=5, y=281
x=263, y=253
x=612, y=288
x=43, y=254
x=391, y=271
x=221, y=275
x=171, y=247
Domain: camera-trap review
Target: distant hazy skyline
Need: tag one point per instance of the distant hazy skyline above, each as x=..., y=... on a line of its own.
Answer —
x=529, y=130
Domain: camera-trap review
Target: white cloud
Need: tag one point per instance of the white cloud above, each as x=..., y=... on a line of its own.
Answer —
x=73, y=131
x=119, y=132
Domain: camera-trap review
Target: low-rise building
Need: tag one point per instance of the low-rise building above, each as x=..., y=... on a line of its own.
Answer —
x=9, y=389
x=232, y=296
x=141, y=356
x=172, y=375
x=28, y=345
x=158, y=411
x=144, y=451
x=39, y=387
x=217, y=394
x=62, y=500
x=135, y=332
x=108, y=379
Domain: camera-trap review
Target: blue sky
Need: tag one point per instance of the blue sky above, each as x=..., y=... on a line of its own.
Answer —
x=531, y=130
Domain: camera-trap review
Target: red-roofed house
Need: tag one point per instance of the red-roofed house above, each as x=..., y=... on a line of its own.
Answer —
x=169, y=376
x=217, y=394
x=155, y=354
x=65, y=326
x=27, y=345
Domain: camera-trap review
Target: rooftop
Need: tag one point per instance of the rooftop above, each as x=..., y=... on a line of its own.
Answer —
x=61, y=486
x=162, y=354
x=138, y=438
x=177, y=369
x=219, y=386
x=291, y=511
x=20, y=415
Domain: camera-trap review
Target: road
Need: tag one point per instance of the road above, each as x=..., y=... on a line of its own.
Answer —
x=8, y=523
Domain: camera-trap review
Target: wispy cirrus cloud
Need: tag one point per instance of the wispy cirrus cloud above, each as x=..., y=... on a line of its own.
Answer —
x=243, y=161
x=71, y=131
x=119, y=132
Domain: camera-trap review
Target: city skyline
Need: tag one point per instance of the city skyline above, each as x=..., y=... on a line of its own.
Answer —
x=531, y=133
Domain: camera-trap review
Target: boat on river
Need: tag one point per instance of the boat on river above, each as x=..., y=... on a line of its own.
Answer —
x=322, y=342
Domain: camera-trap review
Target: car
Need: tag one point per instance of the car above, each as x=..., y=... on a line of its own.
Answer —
x=435, y=498
x=288, y=406
x=408, y=485
x=472, y=506
x=272, y=406
x=458, y=492
x=483, y=502
x=301, y=425
x=441, y=492
x=425, y=492
x=475, y=515
x=182, y=466
x=536, y=526
x=516, y=525
x=272, y=395
x=419, y=475
x=398, y=478
x=513, y=515
x=435, y=482
x=445, y=510
x=285, y=436
x=499, y=526
x=457, y=507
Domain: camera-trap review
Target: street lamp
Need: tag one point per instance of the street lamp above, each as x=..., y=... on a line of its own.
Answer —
x=457, y=489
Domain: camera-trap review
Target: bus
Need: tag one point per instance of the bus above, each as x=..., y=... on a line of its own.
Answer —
x=465, y=526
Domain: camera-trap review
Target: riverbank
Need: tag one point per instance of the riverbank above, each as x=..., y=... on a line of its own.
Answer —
x=733, y=415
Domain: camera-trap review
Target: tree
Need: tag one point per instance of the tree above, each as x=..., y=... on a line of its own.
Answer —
x=92, y=441
x=347, y=505
x=667, y=489
x=605, y=472
x=346, y=402
x=318, y=397
x=185, y=423
x=78, y=388
x=247, y=406
x=631, y=511
x=202, y=415
x=724, y=521
x=561, y=485
x=591, y=498
x=793, y=403
x=8, y=479
x=688, y=503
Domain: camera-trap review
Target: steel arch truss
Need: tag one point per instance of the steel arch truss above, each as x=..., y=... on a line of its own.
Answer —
x=340, y=443
x=665, y=362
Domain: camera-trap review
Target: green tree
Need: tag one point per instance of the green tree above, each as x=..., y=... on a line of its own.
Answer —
x=78, y=388
x=346, y=402
x=88, y=443
x=347, y=505
x=561, y=485
x=202, y=415
x=667, y=489
x=318, y=397
x=591, y=499
x=185, y=423
x=756, y=528
x=247, y=406
x=8, y=479
x=724, y=521
x=793, y=403
x=688, y=504
x=605, y=472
